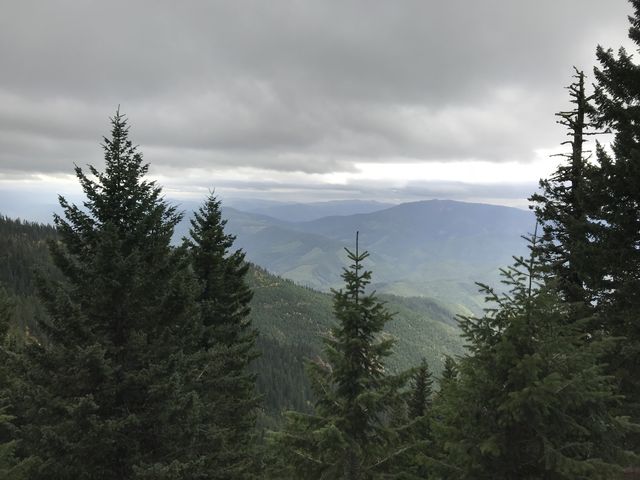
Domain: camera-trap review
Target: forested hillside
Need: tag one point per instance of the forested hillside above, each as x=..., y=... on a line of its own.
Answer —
x=293, y=319
x=435, y=248
x=290, y=319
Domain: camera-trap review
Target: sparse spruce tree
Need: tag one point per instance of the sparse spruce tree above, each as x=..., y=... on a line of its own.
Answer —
x=224, y=299
x=108, y=390
x=564, y=207
x=449, y=372
x=348, y=435
x=531, y=400
x=421, y=390
x=616, y=97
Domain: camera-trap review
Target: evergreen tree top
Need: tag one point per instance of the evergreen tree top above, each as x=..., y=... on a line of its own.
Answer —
x=449, y=371
x=349, y=435
x=419, y=400
x=118, y=198
x=207, y=228
x=355, y=282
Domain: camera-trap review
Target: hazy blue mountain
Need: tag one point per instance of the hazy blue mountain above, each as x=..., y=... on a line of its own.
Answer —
x=435, y=248
x=303, y=212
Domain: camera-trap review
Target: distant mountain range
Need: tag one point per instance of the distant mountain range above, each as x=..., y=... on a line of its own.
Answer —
x=39, y=207
x=304, y=212
x=435, y=248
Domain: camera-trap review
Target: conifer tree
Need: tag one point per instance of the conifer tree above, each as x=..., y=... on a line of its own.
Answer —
x=564, y=207
x=616, y=96
x=107, y=390
x=421, y=391
x=416, y=463
x=348, y=435
x=531, y=400
x=449, y=372
x=224, y=302
x=441, y=429
x=224, y=295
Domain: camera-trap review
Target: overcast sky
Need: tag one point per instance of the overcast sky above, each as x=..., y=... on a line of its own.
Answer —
x=301, y=100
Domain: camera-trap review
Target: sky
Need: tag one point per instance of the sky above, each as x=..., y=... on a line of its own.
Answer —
x=295, y=100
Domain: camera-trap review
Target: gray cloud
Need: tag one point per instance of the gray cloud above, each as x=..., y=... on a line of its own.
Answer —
x=292, y=85
x=38, y=205
x=514, y=194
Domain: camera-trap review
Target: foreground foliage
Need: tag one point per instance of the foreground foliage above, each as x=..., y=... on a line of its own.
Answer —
x=531, y=399
x=227, y=345
x=348, y=434
x=11, y=468
x=118, y=386
x=616, y=99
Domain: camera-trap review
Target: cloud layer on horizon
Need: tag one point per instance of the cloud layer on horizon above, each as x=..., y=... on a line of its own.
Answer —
x=282, y=86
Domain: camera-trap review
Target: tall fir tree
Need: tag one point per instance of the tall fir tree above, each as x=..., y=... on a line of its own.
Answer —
x=564, y=207
x=616, y=96
x=229, y=338
x=348, y=436
x=531, y=400
x=225, y=295
x=108, y=388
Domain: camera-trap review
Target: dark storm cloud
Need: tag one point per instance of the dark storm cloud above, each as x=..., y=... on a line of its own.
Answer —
x=292, y=85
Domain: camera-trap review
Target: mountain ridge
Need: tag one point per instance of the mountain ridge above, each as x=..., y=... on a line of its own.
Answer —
x=433, y=248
